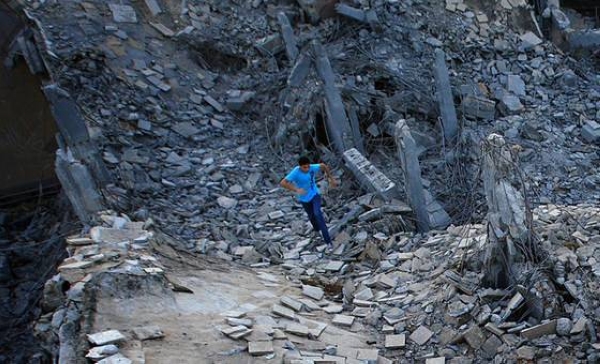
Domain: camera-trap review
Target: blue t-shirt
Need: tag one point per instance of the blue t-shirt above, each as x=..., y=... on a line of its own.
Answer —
x=306, y=181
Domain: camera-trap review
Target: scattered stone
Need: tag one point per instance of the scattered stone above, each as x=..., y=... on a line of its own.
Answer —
x=534, y=332
x=297, y=329
x=101, y=352
x=123, y=13
x=563, y=326
x=257, y=348
x=316, y=293
x=343, y=320
x=526, y=352
x=115, y=359
x=106, y=337
x=284, y=312
x=148, y=333
x=368, y=355
x=421, y=335
x=395, y=341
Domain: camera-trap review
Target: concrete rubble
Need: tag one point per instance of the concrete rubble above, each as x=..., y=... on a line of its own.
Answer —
x=176, y=97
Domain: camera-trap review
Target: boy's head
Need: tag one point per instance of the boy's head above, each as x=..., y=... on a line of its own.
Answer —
x=304, y=163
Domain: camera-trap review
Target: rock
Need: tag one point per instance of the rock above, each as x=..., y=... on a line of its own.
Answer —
x=510, y=105
x=148, y=333
x=256, y=348
x=313, y=292
x=530, y=40
x=283, y=312
x=475, y=337
x=590, y=131
x=526, y=352
x=395, y=341
x=123, y=13
x=421, y=335
x=101, y=352
x=516, y=85
x=116, y=359
x=106, y=337
x=343, y=320
x=534, y=332
x=226, y=202
x=367, y=355
x=563, y=326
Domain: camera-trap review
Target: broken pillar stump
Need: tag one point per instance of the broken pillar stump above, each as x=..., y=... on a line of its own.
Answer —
x=407, y=152
x=510, y=242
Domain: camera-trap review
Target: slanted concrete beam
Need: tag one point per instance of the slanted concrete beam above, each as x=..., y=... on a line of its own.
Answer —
x=415, y=192
x=444, y=95
x=338, y=125
x=368, y=175
x=291, y=48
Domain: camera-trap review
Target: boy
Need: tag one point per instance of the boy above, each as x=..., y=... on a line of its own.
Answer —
x=301, y=180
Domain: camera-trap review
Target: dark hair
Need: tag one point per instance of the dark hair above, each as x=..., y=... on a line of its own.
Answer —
x=303, y=160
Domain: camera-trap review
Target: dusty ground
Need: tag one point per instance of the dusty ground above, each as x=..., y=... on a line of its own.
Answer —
x=191, y=322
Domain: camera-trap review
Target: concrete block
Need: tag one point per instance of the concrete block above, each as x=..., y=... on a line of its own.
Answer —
x=395, y=341
x=591, y=131
x=421, y=335
x=343, y=320
x=283, y=312
x=548, y=328
x=477, y=107
x=291, y=303
x=368, y=175
x=153, y=6
x=105, y=337
x=257, y=348
x=475, y=337
x=313, y=292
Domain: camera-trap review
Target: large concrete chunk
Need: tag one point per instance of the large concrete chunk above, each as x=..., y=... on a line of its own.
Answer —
x=368, y=175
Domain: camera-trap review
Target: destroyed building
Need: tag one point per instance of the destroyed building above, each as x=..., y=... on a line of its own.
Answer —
x=463, y=133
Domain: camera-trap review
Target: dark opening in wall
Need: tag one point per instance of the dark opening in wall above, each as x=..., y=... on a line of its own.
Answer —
x=321, y=130
x=27, y=128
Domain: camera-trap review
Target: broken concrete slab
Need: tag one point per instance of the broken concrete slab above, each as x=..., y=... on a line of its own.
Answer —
x=368, y=175
x=395, y=341
x=421, y=335
x=257, y=348
x=283, y=312
x=343, y=320
x=106, y=337
x=313, y=292
x=123, y=13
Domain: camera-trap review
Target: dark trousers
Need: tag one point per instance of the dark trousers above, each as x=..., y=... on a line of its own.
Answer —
x=315, y=215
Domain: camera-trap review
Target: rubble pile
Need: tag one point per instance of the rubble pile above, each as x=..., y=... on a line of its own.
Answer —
x=31, y=246
x=199, y=108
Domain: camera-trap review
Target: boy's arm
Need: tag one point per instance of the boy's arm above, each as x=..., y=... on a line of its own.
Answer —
x=291, y=187
x=325, y=168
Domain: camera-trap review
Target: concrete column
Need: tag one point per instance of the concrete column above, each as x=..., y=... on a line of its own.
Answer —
x=338, y=126
x=445, y=99
x=415, y=192
x=287, y=33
